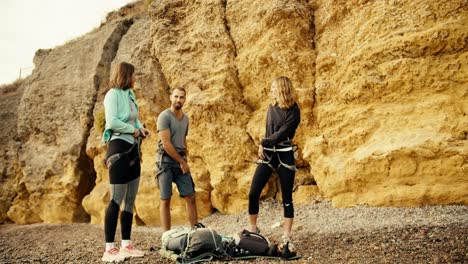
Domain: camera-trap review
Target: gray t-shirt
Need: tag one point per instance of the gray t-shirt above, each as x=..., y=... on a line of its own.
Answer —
x=178, y=128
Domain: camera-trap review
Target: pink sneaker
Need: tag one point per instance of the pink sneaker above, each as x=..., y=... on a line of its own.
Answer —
x=131, y=251
x=112, y=255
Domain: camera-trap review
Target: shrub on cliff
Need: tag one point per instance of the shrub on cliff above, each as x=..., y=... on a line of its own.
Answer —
x=100, y=121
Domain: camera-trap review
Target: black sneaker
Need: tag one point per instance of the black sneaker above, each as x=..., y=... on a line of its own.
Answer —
x=286, y=252
x=273, y=251
x=199, y=225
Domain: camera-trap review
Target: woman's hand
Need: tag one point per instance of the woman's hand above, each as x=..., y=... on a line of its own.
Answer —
x=260, y=152
x=145, y=132
x=136, y=133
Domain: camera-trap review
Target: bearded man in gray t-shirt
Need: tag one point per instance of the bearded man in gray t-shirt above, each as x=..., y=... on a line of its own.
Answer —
x=172, y=164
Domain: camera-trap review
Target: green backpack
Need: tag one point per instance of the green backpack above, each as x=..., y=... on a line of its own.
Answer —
x=202, y=240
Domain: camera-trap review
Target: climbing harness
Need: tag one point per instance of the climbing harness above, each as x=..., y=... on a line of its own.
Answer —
x=164, y=157
x=284, y=146
x=115, y=157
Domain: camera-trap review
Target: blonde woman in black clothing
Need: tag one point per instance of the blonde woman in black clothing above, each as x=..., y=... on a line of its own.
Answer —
x=275, y=152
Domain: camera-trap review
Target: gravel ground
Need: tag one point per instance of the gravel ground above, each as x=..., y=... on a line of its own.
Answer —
x=322, y=234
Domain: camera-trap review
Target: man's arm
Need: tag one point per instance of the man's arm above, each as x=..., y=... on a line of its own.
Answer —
x=165, y=137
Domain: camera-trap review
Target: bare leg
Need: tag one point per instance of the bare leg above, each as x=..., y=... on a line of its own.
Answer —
x=287, y=239
x=288, y=222
x=191, y=210
x=253, y=222
x=165, y=214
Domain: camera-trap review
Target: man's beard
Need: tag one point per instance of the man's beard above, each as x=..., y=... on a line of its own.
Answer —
x=177, y=107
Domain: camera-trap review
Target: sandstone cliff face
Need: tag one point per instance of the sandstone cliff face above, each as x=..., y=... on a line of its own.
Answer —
x=54, y=119
x=391, y=102
x=152, y=92
x=199, y=54
x=382, y=87
x=274, y=39
x=9, y=101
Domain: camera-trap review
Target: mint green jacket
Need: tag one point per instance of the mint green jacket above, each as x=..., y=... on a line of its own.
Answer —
x=117, y=111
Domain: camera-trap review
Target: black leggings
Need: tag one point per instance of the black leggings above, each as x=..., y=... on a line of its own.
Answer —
x=262, y=175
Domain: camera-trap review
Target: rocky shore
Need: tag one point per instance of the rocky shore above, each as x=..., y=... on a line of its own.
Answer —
x=323, y=234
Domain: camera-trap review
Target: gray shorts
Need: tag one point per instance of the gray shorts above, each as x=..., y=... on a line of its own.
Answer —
x=169, y=173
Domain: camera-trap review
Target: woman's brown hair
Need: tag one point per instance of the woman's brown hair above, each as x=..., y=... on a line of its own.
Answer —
x=284, y=97
x=123, y=76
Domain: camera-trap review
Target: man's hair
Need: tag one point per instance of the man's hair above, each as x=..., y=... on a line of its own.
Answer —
x=123, y=76
x=180, y=88
x=285, y=97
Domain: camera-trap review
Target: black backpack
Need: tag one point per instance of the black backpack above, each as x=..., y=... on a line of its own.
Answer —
x=254, y=243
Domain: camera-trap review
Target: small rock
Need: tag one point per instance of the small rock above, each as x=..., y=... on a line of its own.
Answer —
x=276, y=225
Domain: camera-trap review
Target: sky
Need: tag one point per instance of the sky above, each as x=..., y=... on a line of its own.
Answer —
x=29, y=25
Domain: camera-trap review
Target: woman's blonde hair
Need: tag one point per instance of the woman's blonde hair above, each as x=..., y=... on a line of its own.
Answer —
x=123, y=76
x=285, y=96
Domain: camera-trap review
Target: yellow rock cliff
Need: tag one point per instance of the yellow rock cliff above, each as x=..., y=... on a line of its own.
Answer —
x=382, y=86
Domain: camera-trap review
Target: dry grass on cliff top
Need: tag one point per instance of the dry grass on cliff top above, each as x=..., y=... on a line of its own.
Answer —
x=11, y=87
x=323, y=234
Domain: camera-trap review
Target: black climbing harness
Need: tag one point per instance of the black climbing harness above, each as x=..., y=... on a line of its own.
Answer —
x=117, y=156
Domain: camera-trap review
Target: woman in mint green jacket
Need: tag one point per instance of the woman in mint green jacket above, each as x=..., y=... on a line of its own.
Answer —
x=123, y=160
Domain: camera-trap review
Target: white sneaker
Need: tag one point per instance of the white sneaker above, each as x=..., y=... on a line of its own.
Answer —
x=131, y=251
x=112, y=255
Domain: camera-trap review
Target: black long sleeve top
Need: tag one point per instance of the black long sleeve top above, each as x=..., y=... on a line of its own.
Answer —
x=281, y=124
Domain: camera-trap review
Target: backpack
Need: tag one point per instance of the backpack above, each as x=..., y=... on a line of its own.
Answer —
x=175, y=239
x=254, y=243
x=202, y=240
x=185, y=246
x=188, y=244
